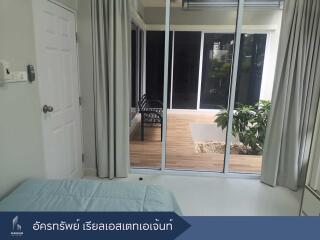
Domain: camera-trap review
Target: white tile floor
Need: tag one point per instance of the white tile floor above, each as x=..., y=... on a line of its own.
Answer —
x=217, y=196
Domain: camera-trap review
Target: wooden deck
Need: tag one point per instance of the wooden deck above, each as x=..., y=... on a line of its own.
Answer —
x=181, y=154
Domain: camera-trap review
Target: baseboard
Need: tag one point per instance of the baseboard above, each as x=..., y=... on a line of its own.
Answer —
x=89, y=172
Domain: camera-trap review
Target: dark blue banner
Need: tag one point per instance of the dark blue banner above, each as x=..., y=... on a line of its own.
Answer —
x=153, y=226
x=252, y=228
x=84, y=225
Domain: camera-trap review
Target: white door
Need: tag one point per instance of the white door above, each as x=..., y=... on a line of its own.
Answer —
x=57, y=69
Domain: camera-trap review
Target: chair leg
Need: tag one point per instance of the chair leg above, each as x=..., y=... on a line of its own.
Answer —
x=142, y=128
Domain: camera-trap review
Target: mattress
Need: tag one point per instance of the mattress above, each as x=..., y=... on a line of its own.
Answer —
x=89, y=196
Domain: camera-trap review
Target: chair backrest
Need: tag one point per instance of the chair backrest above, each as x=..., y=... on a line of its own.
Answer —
x=143, y=103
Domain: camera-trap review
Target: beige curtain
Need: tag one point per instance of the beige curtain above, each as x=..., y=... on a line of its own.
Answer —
x=314, y=160
x=295, y=95
x=111, y=40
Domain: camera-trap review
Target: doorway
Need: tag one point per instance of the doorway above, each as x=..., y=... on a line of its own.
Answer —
x=218, y=72
x=57, y=69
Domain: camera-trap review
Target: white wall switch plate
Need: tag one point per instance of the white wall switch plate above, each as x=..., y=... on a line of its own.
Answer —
x=5, y=72
x=19, y=76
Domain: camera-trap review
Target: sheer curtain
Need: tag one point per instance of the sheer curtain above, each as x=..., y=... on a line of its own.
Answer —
x=295, y=95
x=111, y=40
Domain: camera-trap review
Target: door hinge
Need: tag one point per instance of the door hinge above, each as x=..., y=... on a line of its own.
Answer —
x=83, y=157
x=77, y=38
x=80, y=101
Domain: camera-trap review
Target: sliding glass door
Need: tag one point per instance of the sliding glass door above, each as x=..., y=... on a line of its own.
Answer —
x=147, y=50
x=257, y=62
x=209, y=78
x=194, y=142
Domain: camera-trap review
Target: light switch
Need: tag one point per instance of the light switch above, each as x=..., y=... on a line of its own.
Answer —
x=5, y=72
x=19, y=76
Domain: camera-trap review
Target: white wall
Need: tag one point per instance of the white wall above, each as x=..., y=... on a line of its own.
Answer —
x=21, y=150
x=86, y=83
x=138, y=7
x=73, y=4
x=21, y=153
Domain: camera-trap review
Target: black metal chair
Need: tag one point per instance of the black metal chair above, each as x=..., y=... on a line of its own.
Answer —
x=151, y=113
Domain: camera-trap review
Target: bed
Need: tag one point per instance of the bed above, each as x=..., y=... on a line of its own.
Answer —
x=88, y=196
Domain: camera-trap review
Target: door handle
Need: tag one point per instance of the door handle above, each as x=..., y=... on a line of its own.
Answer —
x=47, y=109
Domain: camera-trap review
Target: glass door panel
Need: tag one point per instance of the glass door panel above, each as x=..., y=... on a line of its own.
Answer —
x=186, y=69
x=250, y=71
x=134, y=64
x=216, y=71
x=155, y=65
x=251, y=62
x=147, y=89
x=194, y=141
x=257, y=62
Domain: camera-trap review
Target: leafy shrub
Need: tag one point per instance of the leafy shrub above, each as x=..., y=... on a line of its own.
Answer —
x=249, y=124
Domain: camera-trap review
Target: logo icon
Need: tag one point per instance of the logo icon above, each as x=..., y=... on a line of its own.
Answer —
x=16, y=227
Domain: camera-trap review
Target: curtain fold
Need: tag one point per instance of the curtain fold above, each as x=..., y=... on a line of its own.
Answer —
x=295, y=95
x=111, y=41
x=314, y=161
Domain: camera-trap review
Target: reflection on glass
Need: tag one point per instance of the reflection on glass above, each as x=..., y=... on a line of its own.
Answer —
x=186, y=69
x=251, y=62
x=194, y=141
x=258, y=57
x=250, y=115
x=134, y=67
x=201, y=47
x=217, y=63
x=155, y=64
x=147, y=78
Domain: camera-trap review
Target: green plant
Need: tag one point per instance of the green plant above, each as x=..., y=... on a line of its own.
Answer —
x=249, y=124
